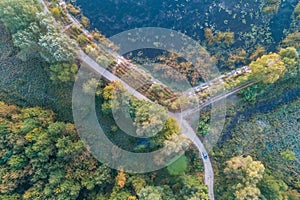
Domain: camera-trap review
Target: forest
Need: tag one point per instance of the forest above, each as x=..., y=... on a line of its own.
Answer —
x=43, y=156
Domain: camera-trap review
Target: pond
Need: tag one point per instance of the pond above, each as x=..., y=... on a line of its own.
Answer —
x=188, y=16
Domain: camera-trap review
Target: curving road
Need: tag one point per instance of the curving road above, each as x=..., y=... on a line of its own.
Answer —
x=187, y=130
x=180, y=117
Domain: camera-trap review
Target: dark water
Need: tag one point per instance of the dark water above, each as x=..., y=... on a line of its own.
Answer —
x=192, y=17
x=282, y=19
x=263, y=107
x=188, y=16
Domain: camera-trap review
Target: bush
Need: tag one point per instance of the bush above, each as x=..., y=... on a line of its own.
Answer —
x=85, y=22
x=297, y=9
x=73, y=10
x=82, y=40
x=56, y=12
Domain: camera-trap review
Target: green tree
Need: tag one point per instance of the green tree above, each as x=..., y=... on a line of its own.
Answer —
x=104, y=61
x=250, y=93
x=138, y=183
x=289, y=52
x=115, y=98
x=155, y=193
x=244, y=173
x=90, y=84
x=290, y=58
x=29, y=124
x=68, y=189
x=17, y=161
x=192, y=188
x=35, y=32
x=44, y=39
x=149, y=118
x=203, y=125
x=44, y=159
x=268, y=68
x=18, y=14
x=68, y=146
x=292, y=40
x=10, y=196
x=119, y=194
x=56, y=12
x=173, y=145
x=288, y=155
x=171, y=128
x=248, y=192
x=272, y=189
x=63, y=72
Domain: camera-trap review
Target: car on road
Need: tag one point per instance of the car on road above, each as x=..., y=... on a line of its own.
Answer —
x=204, y=154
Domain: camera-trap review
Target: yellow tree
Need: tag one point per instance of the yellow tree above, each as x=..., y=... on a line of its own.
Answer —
x=268, y=68
x=245, y=174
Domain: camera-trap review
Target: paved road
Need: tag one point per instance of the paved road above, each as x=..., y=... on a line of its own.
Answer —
x=219, y=79
x=180, y=117
x=89, y=62
x=187, y=129
x=190, y=112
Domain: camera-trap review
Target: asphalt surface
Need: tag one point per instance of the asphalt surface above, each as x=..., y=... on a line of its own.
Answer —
x=187, y=130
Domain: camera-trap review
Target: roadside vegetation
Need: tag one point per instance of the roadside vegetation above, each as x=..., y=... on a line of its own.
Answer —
x=42, y=156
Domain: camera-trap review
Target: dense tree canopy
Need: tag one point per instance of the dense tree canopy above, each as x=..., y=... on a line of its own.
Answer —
x=35, y=32
x=193, y=189
x=43, y=37
x=268, y=68
x=17, y=15
x=43, y=159
x=171, y=128
x=63, y=72
x=155, y=193
x=245, y=174
x=290, y=58
x=38, y=35
x=272, y=188
x=149, y=118
x=115, y=98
